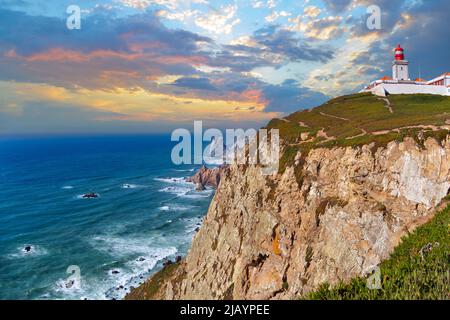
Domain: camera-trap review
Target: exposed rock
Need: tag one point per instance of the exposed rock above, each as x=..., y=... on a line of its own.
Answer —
x=334, y=216
x=90, y=195
x=207, y=177
x=200, y=187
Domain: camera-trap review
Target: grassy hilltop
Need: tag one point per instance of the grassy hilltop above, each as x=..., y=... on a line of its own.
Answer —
x=361, y=119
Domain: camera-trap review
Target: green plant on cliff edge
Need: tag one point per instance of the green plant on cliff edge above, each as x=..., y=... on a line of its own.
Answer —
x=408, y=273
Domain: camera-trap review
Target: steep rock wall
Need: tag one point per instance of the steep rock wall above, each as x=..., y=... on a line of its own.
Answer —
x=334, y=216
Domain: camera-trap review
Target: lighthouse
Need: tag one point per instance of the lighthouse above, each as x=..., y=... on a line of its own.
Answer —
x=400, y=65
x=400, y=83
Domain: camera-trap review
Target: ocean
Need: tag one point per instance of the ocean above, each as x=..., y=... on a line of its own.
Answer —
x=145, y=213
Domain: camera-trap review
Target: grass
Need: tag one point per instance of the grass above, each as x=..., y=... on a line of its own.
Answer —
x=353, y=121
x=406, y=274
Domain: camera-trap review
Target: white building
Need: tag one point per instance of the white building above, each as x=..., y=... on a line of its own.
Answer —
x=400, y=83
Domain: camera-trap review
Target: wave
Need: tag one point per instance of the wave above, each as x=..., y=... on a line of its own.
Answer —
x=145, y=256
x=185, y=170
x=132, y=186
x=179, y=191
x=178, y=180
x=67, y=187
x=176, y=208
x=192, y=224
x=198, y=194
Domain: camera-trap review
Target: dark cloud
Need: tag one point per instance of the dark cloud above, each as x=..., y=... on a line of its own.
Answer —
x=106, y=52
x=194, y=83
x=286, y=43
x=290, y=97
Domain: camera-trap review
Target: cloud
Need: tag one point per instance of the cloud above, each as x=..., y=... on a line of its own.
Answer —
x=312, y=11
x=194, y=83
x=218, y=21
x=277, y=14
x=337, y=5
x=144, y=4
x=326, y=28
x=289, y=97
x=284, y=42
x=123, y=52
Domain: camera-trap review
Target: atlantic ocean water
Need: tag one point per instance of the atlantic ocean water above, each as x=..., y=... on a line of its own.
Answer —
x=145, y=213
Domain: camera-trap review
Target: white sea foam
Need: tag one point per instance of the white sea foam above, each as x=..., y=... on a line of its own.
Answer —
x=181, y=180
x=132, y=186
x=67, y=187
x=34, y=251
x=198, y=194
x=179, y=191
x=143, y=257
x=175, y=207
x=185, y=170
x=191, y=224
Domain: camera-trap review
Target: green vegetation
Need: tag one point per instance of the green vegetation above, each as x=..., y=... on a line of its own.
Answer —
x=408, y=273
x=360, y=119
x=150, y=289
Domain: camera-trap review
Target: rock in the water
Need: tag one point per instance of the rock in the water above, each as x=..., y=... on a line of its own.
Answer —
x=167, y=263
x=90, y=195
x=208, y=177
x=200, y=187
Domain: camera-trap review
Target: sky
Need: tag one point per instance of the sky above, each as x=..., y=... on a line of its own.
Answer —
x=144, y=66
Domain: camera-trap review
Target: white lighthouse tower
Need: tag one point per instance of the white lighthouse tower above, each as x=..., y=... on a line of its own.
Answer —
x=400, y=70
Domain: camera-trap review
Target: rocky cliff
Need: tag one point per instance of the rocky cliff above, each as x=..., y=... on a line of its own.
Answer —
x=333, y=215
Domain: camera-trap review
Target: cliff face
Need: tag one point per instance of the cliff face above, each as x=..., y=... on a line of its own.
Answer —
x=334, y=216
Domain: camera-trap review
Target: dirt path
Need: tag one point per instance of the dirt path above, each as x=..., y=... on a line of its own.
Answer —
x=428, y=127
x=332, y=116
x=387, y=104
x=302, y=124
x=323, y=134
x=363, y=133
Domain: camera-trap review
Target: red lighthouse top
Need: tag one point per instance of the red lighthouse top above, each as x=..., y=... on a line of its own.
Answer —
x=399, y=53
